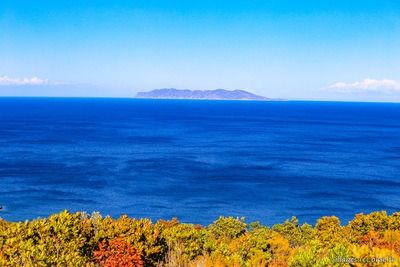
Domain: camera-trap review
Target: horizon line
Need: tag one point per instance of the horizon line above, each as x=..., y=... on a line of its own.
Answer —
x=186, y=99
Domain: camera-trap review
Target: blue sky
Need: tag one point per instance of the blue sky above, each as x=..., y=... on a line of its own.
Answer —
x=319, y=50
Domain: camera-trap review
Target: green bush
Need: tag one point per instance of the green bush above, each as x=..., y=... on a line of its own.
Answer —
x=79, y=239
x=227, y=228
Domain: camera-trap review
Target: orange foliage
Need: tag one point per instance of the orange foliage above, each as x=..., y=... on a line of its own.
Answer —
x=278, y=263
x=118, y=253
x=388, y=240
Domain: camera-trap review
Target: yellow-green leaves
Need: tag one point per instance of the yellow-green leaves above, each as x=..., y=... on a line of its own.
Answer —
x=78, y=239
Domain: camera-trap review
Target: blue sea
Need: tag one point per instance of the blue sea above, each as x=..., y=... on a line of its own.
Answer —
x=197, y=160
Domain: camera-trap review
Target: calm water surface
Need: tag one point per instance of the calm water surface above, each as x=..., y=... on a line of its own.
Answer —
x=196, y=160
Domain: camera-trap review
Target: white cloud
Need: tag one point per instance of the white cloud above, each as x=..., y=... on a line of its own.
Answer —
x=5, y=80
x=367, y=85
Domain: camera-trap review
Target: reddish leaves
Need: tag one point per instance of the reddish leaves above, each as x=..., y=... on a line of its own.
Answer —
x=118, y=253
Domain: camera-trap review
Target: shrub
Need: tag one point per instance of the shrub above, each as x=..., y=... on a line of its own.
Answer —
x=145, y=236
x=117, y=252
x=227, y=228
x=77, y=239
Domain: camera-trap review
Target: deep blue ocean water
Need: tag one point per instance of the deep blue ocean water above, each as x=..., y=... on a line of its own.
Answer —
x=196, y=160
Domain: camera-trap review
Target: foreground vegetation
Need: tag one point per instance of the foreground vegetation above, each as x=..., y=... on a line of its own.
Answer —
x=79, y=239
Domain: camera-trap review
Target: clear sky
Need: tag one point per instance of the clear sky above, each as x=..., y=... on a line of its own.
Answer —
x=327, y=50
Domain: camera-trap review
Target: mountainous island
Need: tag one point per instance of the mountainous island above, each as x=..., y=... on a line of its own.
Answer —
x=218, y=94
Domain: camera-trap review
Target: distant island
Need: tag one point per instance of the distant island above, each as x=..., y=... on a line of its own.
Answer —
x=218, y=94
